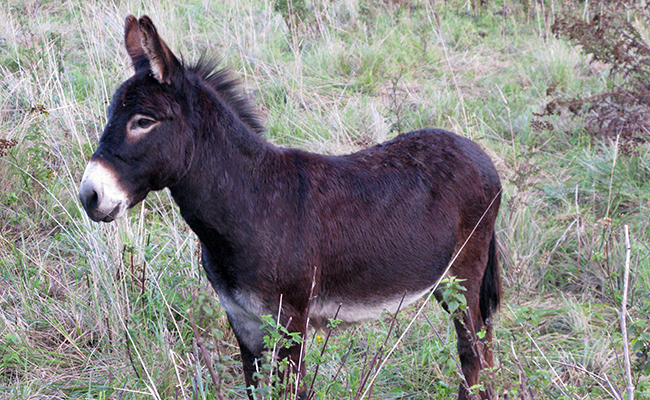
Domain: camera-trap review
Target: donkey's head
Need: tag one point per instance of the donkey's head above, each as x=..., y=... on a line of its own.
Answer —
x=145, y=144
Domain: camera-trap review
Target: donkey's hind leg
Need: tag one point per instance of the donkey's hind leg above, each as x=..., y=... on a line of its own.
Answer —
x=295, y=372
x=473, y=333
x=469, y=355
x=474, y=353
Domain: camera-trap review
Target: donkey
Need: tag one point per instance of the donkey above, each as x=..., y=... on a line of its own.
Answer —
x=353, y=234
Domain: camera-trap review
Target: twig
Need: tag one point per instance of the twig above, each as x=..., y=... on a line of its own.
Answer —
x=578, y=232
x=205, y=354
x=299, y=376
x=611, y=177
x=463, y=381
x=311, y=393
x=338, y=371
x=611, y=387
x=144, y=273
x=274, y=353
x=599, y=379
x=557, y=377
x=611, y=341
x=523, y=379
x=128, y=347
x=626, y=350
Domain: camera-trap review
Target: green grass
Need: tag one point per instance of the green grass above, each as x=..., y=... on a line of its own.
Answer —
x=101, y=311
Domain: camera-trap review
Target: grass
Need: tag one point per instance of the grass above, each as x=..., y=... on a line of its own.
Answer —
x=101, y=311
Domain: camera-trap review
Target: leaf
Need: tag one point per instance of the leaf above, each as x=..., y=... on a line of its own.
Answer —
x=638, y=346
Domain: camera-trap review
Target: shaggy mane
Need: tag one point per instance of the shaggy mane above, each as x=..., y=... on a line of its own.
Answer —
x=223, y=81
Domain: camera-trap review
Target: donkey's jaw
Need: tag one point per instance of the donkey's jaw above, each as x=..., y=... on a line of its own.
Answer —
x=101, y=194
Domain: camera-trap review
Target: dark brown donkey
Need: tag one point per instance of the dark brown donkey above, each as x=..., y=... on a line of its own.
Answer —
x=370, y=229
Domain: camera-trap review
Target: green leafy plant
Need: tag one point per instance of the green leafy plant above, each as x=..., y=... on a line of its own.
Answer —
x=452, y=295
x=294, y=12
x=275, y=376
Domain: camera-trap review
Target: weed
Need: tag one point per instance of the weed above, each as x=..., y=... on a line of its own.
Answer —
x=294, y=12
x=6, y=145
x=452, y=296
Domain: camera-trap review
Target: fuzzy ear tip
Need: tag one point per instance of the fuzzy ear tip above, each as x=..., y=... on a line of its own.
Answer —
x=146, y=21
x=130, y=21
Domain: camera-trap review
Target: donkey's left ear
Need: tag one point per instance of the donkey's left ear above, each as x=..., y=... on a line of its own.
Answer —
x=162, y=61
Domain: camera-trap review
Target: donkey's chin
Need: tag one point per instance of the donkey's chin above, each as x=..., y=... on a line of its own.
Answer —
x=99, y=215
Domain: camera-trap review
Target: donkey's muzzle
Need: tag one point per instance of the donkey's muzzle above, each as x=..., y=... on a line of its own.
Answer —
x=90, y=200
x=100, y=193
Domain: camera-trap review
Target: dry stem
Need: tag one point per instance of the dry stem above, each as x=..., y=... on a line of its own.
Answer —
x=626, y=350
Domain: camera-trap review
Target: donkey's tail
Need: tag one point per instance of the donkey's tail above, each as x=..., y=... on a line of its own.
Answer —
x=491, y=285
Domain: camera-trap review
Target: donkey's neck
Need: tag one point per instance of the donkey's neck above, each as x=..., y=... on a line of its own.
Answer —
x=217, y=192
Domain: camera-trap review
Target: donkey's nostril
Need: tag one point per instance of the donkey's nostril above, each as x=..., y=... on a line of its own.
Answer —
x=93, y=200
x=89, y=197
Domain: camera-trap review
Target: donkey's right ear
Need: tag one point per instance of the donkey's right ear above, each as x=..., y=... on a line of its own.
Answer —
x=133, y=43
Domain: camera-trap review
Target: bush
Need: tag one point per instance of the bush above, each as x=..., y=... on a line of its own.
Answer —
x=610, y=38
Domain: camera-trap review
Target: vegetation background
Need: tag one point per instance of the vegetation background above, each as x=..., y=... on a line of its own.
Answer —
x=124, y=311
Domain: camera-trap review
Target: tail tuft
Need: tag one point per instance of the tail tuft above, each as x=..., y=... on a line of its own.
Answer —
x=491, y=285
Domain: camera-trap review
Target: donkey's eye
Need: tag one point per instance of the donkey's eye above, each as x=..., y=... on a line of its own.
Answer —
x=144, y=122
x=139, y=125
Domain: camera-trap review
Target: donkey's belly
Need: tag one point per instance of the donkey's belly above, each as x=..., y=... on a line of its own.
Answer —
x=353, y=312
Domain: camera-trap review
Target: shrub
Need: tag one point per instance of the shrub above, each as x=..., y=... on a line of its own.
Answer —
x=610, y=38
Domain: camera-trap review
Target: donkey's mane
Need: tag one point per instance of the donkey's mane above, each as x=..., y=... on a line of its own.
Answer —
x=228, y=86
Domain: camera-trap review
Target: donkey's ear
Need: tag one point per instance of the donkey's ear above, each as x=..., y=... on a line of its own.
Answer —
x=133, y=43
x=162, y=61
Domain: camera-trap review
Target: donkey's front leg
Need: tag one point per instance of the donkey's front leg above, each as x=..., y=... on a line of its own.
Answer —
x=251, y=347
x=248, y=358
x=295, y=372
x=292, y=354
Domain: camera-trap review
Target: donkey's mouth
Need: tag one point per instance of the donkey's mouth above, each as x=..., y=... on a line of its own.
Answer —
x=112, y=215
x=98, y=212
x=98, y=216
